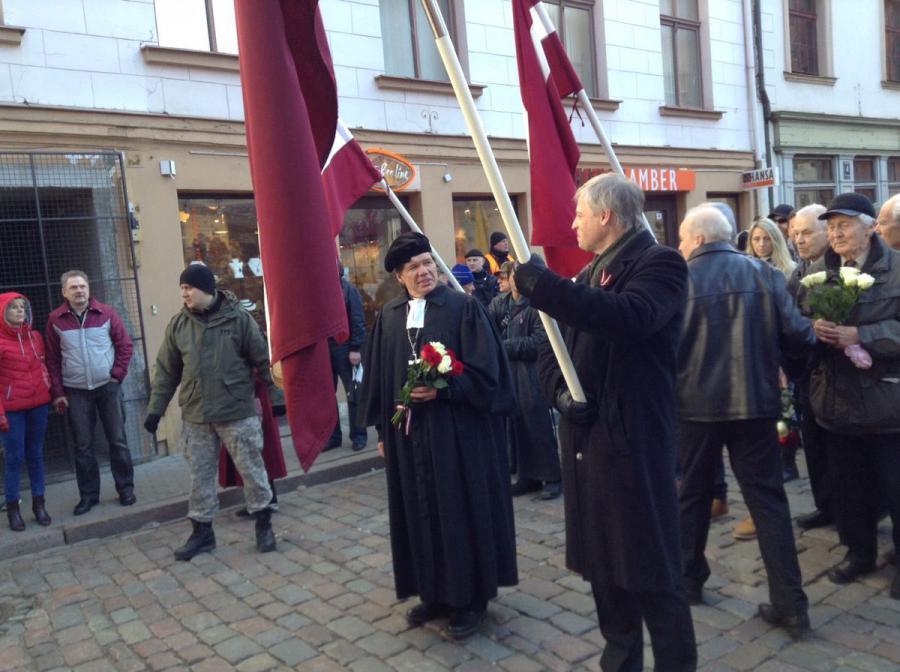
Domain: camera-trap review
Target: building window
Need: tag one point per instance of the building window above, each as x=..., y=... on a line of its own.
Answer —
x=680, y=22
x=804, y=37
x=474, y=220
x=864, y=179
x=892, y=39
x=201, y=25
x=409, y=49
x=893, y=175
x=574, y=22
x=813, y=180
x=370, y=227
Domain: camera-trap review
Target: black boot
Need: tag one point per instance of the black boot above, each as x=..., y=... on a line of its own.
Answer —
x=40, y=512
x=202, y=540
x=16, y=524
x=265, y=538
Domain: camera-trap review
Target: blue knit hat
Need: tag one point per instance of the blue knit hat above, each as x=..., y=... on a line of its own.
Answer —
x=462, y=274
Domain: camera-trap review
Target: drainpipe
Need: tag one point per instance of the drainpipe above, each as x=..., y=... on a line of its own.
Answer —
x=752, y=107
x=761, y=92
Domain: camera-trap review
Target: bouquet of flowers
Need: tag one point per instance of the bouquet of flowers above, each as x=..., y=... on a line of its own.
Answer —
x=834, y=302
x=788, y=434
x=434, y=366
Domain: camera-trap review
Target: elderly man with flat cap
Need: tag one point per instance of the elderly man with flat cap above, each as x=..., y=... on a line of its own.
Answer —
x=858, y=407
x=451, y=519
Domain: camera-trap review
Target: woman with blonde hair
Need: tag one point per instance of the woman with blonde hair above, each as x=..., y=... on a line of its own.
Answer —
x=768, y=243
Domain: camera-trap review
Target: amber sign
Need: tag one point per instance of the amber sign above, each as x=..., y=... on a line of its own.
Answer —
x=649, y=178
x=396, y=170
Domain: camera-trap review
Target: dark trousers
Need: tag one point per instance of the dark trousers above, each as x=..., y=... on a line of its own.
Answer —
x=865, y=476
x=756, y=461
x=343, y=370
x=720, y=487
x=816, y=460
x=84, y=407
x=24, y=444
x=621, y=612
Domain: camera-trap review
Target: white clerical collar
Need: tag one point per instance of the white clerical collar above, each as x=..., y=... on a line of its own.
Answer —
x=415, y=314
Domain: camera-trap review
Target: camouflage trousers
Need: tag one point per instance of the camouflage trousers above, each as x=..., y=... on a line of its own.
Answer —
x=243, y=440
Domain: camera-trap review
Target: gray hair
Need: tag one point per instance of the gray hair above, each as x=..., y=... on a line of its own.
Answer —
x=708, y=221
x=812, y=211
x=617, y=194
x=74, y=273
x=726, y=210
x=866, y=220
x=895, y=208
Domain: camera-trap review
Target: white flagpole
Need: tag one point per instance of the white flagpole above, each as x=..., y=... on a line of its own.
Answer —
x=495, y=179
x=585, y=103
x=404, y=213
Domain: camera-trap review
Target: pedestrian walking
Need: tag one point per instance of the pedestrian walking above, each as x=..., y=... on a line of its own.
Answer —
x=24, y=404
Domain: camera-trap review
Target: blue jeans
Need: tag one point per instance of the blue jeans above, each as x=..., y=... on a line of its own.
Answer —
x=24, y=442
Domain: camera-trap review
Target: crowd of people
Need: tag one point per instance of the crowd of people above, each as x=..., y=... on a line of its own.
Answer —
x=680, y=354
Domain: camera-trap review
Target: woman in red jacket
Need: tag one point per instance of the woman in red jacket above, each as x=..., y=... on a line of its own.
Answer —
x=24, y=402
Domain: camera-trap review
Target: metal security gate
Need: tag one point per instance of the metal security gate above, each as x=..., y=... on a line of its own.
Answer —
x=70, y=211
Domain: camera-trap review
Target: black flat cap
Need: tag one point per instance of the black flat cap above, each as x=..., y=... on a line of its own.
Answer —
x=405, y=247
x=474, y=253
x=850, y=204
x=782, y=211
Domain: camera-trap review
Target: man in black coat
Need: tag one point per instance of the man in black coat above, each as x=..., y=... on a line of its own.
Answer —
x=740, y=320
x=451, y=517
x=486, y=285
x=621, y=319
x=345, y=357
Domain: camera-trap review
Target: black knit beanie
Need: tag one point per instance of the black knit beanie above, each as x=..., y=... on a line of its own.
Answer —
x=198, y=275
x=496, y=237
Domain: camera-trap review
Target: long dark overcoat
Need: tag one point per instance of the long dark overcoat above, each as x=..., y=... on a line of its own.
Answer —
x=451, y=517
x=619, y=472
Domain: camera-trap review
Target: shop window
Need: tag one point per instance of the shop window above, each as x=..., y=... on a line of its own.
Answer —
x=370, y=227
x=474, y=220
x=893, y=175
x=222, y=232
x=574, y=22
x=409, y=49
x=864, y=180
x=201, y=25
x=813, y=180
x=892, y=39
x=681, y=52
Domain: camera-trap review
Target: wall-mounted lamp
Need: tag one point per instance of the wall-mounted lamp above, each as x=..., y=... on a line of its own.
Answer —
x=167, y=167
x=447, y=177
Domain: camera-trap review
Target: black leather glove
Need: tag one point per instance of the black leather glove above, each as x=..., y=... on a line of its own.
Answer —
x=528, y=274
x=152, y=422
x=278, y=410
x=579, y=412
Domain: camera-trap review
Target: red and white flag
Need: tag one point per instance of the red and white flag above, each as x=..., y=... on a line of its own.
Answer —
x=546, y=76
x=347, y=176
x=290, y=103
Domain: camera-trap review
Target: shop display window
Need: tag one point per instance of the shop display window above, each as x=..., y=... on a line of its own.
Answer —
x=474, y=220
x=814, y=180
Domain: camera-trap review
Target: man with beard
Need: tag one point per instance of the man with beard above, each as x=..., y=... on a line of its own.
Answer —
x=451, y=519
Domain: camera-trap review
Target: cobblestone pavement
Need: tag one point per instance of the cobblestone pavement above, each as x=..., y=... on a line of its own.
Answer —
x=325, y=601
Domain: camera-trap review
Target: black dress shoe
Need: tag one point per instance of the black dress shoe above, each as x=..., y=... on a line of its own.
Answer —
x=464, y=622
x=815, y=519
x=85, y=504
x=523, y=486
x=550, y=491
x=358, y=446
x=849, y=571
x=797, y=625
x=127, y=498
x=424, y=612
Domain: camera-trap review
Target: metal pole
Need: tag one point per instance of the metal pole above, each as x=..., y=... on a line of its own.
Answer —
x=404, y=213
x=585, y=103
x=498, y=189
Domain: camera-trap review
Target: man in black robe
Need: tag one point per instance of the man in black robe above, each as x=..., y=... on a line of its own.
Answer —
x=451, y=519
x=622, y=318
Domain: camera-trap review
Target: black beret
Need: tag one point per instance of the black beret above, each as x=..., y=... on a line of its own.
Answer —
x=405, y=247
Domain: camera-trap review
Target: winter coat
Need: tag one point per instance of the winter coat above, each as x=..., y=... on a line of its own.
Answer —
x=738, y=321
x=356, y=322
x=212, y=356
x=619, y=471
x=24, y=382
x=86, y=355
x=848, y=400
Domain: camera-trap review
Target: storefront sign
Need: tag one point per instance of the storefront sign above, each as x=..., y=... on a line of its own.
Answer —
x=760, y=178
x=649, y=178
x=398, y=172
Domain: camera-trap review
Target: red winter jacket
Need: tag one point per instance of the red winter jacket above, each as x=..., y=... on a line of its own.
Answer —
x=24, y=381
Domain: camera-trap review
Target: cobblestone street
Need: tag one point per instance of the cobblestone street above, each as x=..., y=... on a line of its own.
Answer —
x=325, y=601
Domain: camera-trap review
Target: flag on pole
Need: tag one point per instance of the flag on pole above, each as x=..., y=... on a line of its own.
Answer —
x=347, y=176
x=290, y=103
x=546, y=76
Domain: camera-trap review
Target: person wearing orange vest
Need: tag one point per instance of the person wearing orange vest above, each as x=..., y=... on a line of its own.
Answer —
x=498, y=253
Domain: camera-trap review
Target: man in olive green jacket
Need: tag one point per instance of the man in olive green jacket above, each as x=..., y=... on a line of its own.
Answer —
x=211, y=347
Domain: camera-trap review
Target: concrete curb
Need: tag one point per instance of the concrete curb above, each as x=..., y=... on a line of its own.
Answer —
x=131, y=519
